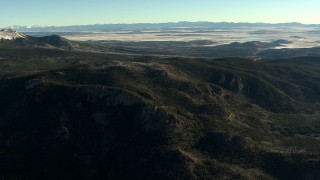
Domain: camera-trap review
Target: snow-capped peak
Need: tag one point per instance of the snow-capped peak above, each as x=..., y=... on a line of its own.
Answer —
x=10, y=34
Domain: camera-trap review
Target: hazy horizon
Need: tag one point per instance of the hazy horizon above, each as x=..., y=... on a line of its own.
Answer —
x=62, y=13
x=177, y=22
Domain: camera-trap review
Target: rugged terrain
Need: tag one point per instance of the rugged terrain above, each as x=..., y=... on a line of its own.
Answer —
x=70, y=114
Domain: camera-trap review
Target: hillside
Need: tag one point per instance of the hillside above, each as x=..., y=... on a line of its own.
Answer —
x=83, y=115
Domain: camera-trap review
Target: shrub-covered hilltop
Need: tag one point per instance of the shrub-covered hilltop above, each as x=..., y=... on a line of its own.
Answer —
x=85, y=115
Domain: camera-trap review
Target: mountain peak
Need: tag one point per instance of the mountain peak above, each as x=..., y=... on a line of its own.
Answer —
x=10, y=34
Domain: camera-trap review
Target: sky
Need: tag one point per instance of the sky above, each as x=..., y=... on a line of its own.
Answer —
x=82, y=12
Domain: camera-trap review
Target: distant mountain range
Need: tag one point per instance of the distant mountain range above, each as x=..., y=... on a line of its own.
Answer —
x=139, y=26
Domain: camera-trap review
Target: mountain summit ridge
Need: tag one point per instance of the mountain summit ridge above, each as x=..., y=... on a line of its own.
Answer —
x=10, y=34
x=10, y=37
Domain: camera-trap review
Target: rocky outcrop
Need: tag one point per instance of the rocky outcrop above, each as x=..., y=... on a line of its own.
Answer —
x=152, y=117
x=236, y=84
x=32, y=83
x=230, y=82
x=155, y=118
x=156, y=73
x=111, y=96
